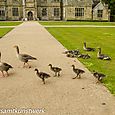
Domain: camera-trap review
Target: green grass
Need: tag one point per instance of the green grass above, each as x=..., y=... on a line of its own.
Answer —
x=3, y=23
x=4, y=31
x=73, y=38
x=76, y=23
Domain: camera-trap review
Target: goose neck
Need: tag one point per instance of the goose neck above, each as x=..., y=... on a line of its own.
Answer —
x=17, y=50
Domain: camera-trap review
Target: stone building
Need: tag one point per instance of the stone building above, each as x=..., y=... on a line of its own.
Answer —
x=51, y=10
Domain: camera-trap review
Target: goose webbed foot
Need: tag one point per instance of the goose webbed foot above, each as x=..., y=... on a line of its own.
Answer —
x=29, y=66
x=74, y=77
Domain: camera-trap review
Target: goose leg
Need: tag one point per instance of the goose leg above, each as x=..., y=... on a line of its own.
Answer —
x=7, y=73
x=58, y=74
x=24, y=64
x=97, y=81
x=3, y=74
x=79, y=76
x=55, y=74
x=43, y=81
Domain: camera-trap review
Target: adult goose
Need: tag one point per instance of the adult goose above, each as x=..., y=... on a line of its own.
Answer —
x=56, y=70
x=4, y=67
x=102, y=56
x=99, y=76
x=78, y=72
x=42, y=75
x=24, y=57
x=87, y=48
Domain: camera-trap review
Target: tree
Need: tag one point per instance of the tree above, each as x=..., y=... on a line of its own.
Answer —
x=111, y=5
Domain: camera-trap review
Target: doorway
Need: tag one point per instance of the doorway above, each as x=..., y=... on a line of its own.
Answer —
x=30, y=15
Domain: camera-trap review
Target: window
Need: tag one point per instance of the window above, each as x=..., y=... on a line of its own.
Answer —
x=56, y=0
x=79, y=11
x=15, y=12
x=2, y=13
x=56, y=11
x=100, y=13
x=44, y=11
x=43, y=0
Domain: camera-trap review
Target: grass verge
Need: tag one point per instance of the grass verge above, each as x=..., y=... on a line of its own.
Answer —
x=76, y=23
x=4, y=31
x=73, y=38
x=3, y=23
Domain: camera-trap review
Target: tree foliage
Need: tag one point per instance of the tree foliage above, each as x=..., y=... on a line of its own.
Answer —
x=111, y=5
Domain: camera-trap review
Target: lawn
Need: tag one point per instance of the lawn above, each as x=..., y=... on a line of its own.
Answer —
x=4, y=31
x=3, y=23
x=73, y=38
x=76, y=23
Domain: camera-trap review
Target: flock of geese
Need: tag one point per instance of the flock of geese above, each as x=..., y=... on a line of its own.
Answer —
x=77, y=54
x=4, y=67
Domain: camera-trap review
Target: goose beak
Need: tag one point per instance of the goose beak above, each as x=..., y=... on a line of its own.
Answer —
x=15, y=46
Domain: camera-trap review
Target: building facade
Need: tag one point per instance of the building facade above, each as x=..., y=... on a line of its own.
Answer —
x=51, y=10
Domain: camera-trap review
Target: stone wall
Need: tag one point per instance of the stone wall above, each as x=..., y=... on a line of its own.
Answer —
x=36, y=9
x=105, y=15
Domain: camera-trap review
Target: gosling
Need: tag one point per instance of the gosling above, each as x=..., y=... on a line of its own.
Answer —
x=99, y=76
x=78, y=72
x=56, y=70
x=4, y=67
x=42, y=75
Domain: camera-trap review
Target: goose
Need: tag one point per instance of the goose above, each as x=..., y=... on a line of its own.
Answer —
x=102, y=56
x=71, y=55
x=78, y=72
x=42, y=75
x=84, y=56
x=24, y=57
x=87, y=48
x=76, y=52
x=57, y=70
x=98, y=75
x=4, y=67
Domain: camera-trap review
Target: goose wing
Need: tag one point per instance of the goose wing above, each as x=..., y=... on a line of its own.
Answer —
x=105, y=57
x=90, y=49
x=57, y=69
x=43, y=75
x=27, y=57
x=7, y=65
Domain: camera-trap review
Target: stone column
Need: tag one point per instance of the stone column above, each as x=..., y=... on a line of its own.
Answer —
x=65, y=3
x=23, y=5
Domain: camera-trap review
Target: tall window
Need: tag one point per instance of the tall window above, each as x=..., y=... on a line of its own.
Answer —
x=56, y=0
x=56, y=11
x=79, y=11
x=15, y=12
x=100, y=13
x=44, y=11
x=43, y=0
x=2, y=13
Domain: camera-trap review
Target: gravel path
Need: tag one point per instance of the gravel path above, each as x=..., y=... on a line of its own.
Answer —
x=59, y=96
